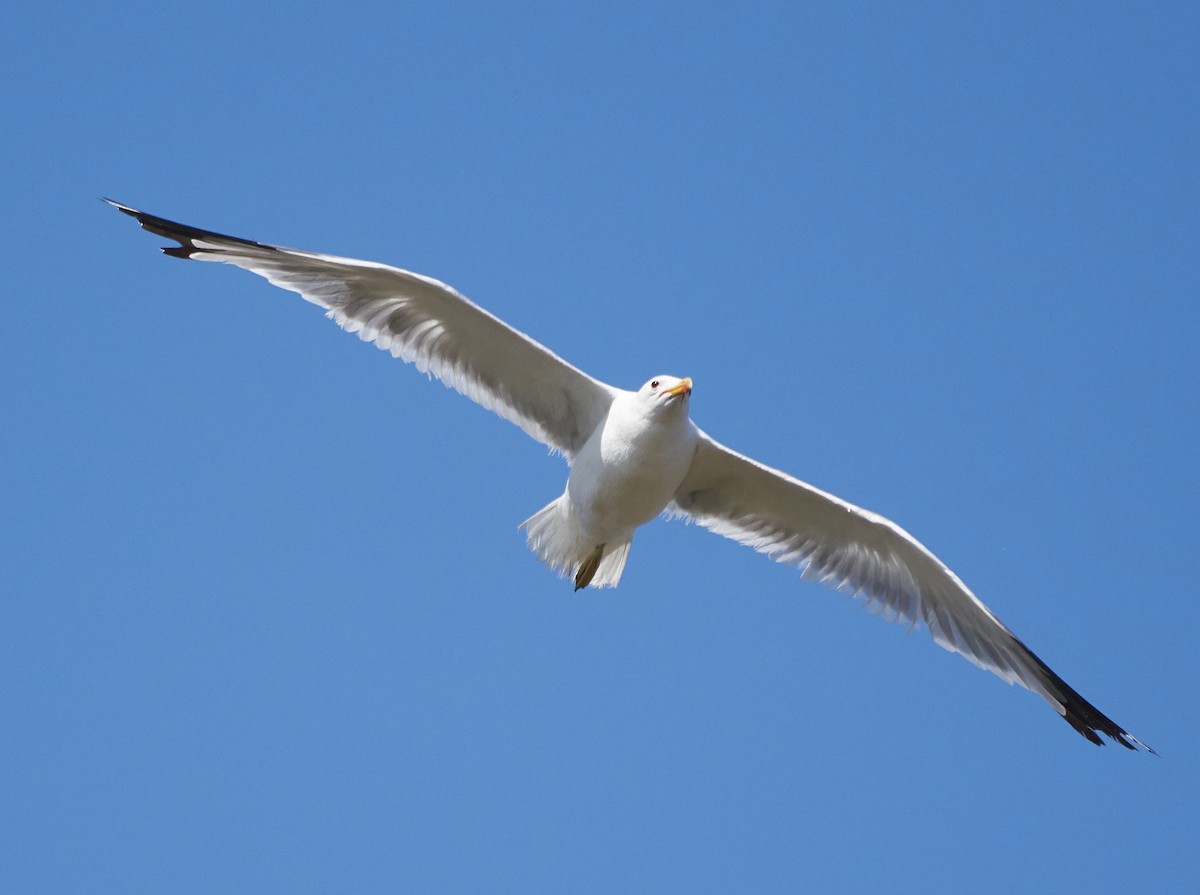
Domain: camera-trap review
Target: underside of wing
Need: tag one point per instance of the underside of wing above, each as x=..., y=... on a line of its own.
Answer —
x=423, y=322
x=866, y=555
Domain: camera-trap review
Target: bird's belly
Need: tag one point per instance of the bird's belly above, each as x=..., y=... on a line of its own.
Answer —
x=613, y=495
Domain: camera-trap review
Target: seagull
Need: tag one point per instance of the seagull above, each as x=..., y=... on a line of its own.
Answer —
x=635, y=455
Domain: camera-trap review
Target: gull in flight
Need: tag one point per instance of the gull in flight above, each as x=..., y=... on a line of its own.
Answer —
x=634, y=455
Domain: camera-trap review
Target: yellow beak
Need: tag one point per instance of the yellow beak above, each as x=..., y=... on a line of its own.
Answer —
x=683, y=388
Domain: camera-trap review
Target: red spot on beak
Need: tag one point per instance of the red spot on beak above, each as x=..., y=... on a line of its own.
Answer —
x=684, y=387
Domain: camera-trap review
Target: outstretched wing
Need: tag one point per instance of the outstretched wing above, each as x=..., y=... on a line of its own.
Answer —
x=866, y=555
x=423, y=322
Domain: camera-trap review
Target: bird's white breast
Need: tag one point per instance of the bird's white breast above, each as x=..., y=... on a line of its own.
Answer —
x=630, y=467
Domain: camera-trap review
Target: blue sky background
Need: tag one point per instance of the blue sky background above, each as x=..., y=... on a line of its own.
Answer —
x=267, y=623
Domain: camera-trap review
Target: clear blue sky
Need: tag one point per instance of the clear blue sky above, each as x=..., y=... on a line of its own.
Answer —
x=266, y=621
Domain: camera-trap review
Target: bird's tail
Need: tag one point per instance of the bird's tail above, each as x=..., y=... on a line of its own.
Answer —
x=553, y=533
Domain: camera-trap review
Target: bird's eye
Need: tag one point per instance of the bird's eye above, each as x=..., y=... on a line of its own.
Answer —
x=653, y=383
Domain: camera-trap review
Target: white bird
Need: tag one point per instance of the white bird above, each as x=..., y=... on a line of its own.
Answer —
x=634, y=455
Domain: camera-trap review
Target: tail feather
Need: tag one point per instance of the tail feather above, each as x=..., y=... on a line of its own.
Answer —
x=612, y=564
x=554, y=535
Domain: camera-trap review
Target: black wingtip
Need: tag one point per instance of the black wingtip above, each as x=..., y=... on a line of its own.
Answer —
x=1091, y=722
x=181, y=233
x=1093, y=727
x=1087, y=720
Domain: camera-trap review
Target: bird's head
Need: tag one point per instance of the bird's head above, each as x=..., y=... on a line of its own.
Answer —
x=663, y=392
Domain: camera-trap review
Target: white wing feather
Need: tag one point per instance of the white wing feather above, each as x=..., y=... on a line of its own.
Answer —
x=866, y=555
x=425, y=323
